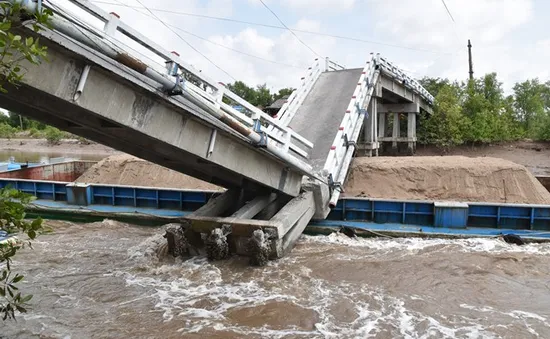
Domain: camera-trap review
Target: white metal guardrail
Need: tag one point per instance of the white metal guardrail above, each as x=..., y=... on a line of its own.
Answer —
x=295, y=100
x=395, y=72
x=289, y=108
x=207, y=94
x=343, y=146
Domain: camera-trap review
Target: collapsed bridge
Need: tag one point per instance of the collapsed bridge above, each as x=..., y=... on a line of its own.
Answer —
x=279, y=171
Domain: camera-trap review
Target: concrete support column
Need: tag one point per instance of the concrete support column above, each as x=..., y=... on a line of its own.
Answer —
x=382, y=125
x=368, y=129
x=396, y=131
x=411, y=132
x=374, y=113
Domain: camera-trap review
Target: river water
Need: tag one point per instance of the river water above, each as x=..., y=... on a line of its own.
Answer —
x=104, y=280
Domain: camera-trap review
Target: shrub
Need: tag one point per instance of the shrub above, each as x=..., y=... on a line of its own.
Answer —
x=53, y=135
x=6, y=131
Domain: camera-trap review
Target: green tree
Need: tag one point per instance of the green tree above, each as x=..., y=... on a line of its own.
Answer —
x=243, y=90
x=263, y=97
x=531, y=102
x=446, y=126
x=14, y=49
x=491, y=118
x=434, y=85
x=282, y=92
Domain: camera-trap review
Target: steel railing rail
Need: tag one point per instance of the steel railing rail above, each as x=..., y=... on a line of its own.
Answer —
x=395, y=72
x=343, y=146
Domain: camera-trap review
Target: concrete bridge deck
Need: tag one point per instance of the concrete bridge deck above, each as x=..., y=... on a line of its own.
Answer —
x=319, y=117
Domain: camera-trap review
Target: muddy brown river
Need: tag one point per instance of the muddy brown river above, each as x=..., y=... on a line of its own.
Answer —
x=103, y=280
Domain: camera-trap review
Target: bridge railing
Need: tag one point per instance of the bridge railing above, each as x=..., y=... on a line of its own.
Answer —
x=295, y=100
x=181, y=78
x=289, y=108
x=397, y=73
x=341, y=151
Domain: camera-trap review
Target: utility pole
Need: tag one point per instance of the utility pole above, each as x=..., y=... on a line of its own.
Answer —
x=470, y=60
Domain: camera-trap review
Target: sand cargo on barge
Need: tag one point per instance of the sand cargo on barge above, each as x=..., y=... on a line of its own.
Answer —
x=84, y=202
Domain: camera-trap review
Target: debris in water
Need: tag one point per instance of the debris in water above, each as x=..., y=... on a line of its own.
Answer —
x=513, y=239
x=348, y=231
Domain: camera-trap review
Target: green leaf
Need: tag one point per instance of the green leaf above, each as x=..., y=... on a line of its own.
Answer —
x=29, y=41
x=32, y=234
x=17, y=279
x=26, y=298
x=36, y=223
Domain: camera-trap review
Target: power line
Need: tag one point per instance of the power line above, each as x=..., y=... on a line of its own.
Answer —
x=282, y=23
x=213, y=42
x=448, y=11
x=188, y=44
x=274, y=27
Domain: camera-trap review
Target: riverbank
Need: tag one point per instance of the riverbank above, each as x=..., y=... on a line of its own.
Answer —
x=534, y=155
x=65, y=146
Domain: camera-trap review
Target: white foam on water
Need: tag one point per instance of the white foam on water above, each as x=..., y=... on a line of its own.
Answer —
x=528, y=319
x=414, y=245
x=197, y=293
x=202, y=283
x=385, y=313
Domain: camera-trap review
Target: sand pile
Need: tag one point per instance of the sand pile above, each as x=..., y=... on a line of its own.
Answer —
x=128, y=170
x=455, y=178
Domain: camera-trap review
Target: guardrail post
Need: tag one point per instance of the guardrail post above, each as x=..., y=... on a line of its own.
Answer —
x=111, y=26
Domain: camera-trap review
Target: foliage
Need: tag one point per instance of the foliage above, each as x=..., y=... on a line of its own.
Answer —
x=260, y=96
x=14, y=49
x=6, y=131
x=478, y=111
x=282, y=92
x=447, y=125
x=12, y=221
x=14, y=52
x=53, y=135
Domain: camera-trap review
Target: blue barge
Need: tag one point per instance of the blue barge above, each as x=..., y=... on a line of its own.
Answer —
x=375, y=217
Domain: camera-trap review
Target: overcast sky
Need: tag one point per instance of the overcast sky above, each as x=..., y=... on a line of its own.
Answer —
x=510, y=37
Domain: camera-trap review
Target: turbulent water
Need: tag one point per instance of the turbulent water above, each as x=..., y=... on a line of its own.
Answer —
x=104, y=280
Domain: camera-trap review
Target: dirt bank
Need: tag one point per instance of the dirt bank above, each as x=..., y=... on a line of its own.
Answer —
x=531, y=154
x=124, y=169
x=444, y=178
x=66, y=146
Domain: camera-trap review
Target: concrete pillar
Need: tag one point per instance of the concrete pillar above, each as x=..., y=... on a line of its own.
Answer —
x=411, y=132
x=382, y=125
x=374, y=113
x=396, y=131
x=368, y=130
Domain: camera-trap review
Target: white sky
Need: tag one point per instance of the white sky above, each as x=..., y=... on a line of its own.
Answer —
x=510, y=37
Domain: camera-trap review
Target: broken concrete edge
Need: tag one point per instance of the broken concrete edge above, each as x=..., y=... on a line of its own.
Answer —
x=321, y=195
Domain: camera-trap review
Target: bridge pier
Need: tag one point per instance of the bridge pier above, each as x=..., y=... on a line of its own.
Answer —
x=369, y=138
x=262, y=226
x=398, y=144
